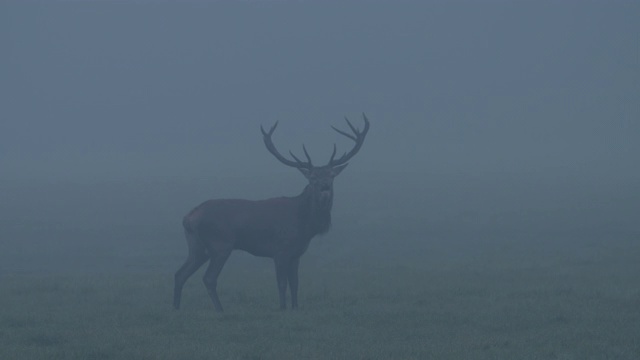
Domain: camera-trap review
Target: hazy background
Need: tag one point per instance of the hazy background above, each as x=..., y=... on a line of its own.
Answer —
x=499, y=129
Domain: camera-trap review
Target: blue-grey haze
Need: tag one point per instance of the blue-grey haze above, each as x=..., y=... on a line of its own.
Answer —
x=491, y=122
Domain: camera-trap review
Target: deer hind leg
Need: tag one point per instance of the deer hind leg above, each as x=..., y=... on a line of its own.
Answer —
x=197, y=256
x=219, y=255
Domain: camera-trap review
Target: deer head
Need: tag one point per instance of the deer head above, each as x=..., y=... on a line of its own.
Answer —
x=320, y=177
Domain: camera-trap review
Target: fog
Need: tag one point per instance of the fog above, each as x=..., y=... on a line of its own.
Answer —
x=492, y=123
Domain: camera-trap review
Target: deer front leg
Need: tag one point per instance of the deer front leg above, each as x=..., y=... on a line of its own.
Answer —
x=282, y=270
x=293, y=281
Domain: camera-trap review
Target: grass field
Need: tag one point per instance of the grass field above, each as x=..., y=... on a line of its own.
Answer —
x=470, y=285
x=575, y=310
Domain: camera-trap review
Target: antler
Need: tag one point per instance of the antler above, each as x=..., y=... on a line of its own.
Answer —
x=357, y=136
x=272, y=149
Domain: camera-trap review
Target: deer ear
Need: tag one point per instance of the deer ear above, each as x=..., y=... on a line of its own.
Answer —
x=305, y=172
x=337, y=169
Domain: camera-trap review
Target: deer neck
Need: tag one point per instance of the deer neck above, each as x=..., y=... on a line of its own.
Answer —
x=315, y=219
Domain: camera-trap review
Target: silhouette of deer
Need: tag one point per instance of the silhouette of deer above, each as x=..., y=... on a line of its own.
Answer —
x=278, y=228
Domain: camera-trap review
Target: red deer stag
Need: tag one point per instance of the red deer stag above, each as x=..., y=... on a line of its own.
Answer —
x=279, y=228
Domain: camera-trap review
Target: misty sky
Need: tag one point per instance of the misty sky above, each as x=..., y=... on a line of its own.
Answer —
x=108, y=90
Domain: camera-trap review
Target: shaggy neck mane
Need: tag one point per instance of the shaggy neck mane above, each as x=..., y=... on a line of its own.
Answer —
x=316, y=220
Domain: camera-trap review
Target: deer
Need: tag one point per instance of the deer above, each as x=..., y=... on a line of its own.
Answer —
x=279, y=228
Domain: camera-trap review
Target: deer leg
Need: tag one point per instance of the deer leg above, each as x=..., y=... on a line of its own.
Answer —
x=282, y=271
x=293, y=281
x=197, y=256
x=210, y=279
x=190, y=266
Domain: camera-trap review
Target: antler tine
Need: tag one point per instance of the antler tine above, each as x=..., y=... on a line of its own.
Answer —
x=307, y=155
x=266, y=136
x=333, y=154
x=295, y=158
x=356, y=131
x=273, y=128
x=358, y=136
x=344, y=133
x=305, y=164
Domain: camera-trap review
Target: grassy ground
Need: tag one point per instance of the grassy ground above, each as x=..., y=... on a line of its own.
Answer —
x=572, y=311
x=556, y=277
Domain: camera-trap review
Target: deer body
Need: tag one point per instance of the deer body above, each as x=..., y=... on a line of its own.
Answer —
x=278, y=228
x=282, y=225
